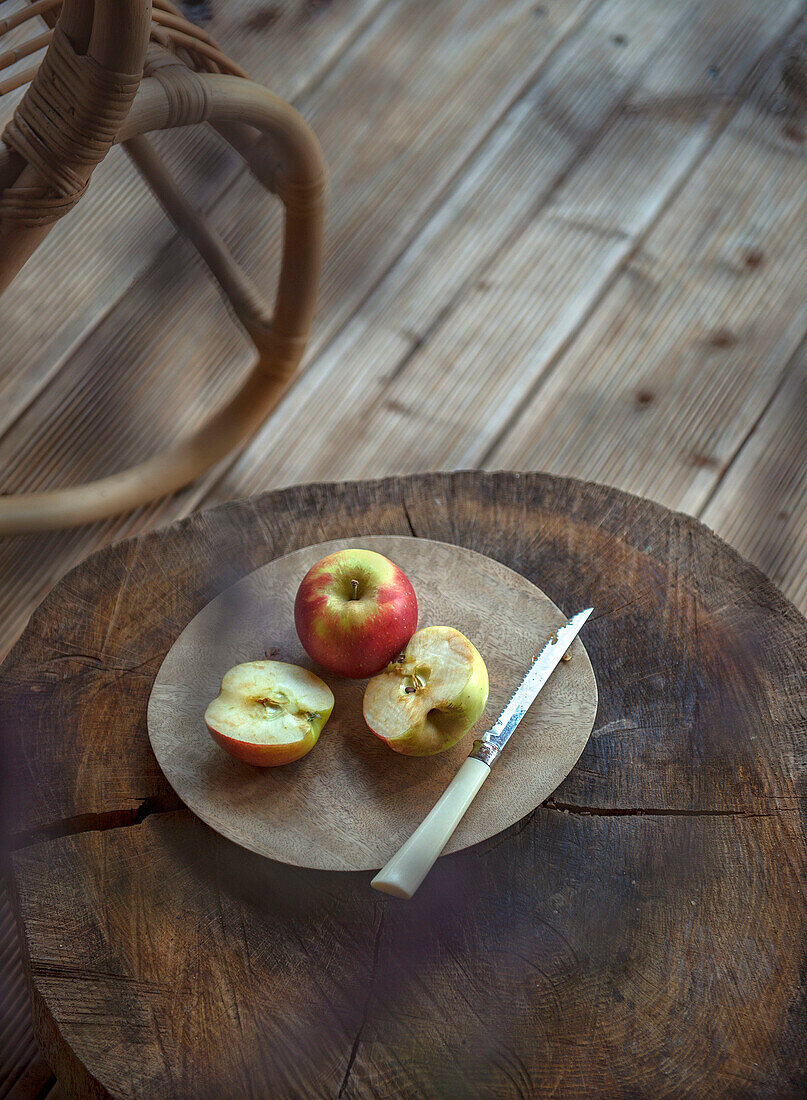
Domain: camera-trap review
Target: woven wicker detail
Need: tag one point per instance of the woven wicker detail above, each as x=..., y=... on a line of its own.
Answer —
x=188, y=99
x=31, y=207
x=300, y=198
x=64, y=126
x=279, y=354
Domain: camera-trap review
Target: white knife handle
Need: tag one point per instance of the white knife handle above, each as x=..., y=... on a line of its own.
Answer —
x=414, y=859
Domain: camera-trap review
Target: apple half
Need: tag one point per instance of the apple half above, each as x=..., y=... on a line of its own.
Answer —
x=269, y=712
x=429, y=698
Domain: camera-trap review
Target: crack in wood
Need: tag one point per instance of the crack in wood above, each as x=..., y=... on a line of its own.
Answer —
x=94, y=662
x=626, y=811
x=654, y=811
x=102, y=821
x=408, y=518
x=365, y=1012
x=98, y=821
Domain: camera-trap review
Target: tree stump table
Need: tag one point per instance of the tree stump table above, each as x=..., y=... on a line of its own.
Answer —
x=640, y=934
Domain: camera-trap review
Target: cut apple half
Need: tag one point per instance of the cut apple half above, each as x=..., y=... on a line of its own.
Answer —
x=431, y=696
x=269, y=712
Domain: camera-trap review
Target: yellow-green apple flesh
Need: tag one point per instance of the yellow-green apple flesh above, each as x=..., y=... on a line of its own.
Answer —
x=269, y=712
x=355, y=610
x=427, y=700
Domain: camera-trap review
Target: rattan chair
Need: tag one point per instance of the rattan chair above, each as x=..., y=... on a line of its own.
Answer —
x=113, y=71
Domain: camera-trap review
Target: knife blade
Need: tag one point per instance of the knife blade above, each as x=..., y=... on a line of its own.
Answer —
x=405, y=871
x=539, y=672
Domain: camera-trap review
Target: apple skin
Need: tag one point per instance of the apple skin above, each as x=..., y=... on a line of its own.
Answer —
x=355, y=610
x=263, y=756
x=441, y=709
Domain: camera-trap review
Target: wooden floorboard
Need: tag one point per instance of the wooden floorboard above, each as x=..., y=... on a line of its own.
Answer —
x=441, y=405
x=660, y=387
x=432, y=341
x=36, y=1082
x=22, y=1072
x=760, y=505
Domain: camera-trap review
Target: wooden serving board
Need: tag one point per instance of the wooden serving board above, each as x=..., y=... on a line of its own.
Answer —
x=351, y=802
x=641, y=933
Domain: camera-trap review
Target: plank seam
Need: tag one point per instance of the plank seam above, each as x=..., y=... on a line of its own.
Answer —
x=725, y=112
x=790, y=367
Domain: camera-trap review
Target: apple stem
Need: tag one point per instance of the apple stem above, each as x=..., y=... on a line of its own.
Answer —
x=355, y=586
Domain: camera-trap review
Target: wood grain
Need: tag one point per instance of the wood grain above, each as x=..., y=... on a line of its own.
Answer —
x=351, y=802
x=761, y=503
x=388, y=82
x=462, y=332
x=382, y=188
x=96, y=417
x=600, y=945
x=720, y=286
x=18, y=1049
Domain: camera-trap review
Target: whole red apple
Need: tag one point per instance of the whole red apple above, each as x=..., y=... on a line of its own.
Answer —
x=355, y=610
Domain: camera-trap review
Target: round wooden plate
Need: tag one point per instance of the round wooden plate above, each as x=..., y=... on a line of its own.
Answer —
x=351, y=802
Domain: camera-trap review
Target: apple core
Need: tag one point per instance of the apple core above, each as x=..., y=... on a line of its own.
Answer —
x=428, y=698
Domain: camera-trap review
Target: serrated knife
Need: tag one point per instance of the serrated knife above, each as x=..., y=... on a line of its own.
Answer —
x=402, y=875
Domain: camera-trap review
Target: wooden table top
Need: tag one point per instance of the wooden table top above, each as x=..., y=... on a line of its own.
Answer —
x=564, y=235
x=641, y=933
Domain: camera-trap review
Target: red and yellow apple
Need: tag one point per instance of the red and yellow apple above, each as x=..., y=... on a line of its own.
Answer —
x=354, y=611
x=269, y=712
x=429, y=698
